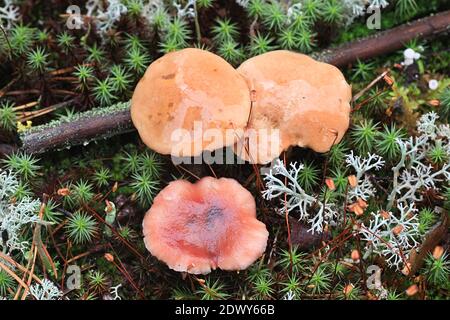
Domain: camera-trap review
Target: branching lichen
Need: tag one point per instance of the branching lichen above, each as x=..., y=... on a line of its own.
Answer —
x=364, y=188
x=393, y=236
x=412, y=173
x=310, y=208
x=45, y=291
x=9, y=14
x=105, y=18
x=15, y=214
x=186, y=11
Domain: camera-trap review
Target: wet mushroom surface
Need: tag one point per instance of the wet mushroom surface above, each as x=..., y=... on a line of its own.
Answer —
x=199, y=227
x=189, y=101
x=296, y=101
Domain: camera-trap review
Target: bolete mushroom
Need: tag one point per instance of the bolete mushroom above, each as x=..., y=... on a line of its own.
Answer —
x=296, y=101
x=184, y=94
x=199, y=227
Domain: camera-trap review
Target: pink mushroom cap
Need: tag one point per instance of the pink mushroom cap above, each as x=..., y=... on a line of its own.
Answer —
x=199, y=227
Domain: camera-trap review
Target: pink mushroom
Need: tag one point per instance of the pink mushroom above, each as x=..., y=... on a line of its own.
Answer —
x=199, y=227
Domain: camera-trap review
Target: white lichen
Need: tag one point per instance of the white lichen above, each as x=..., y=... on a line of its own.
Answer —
x=393, y=236
x=378, y=3
x=413, y=174
x=243, y=3
x=15, y=214
x=150, y=10
x=294, y=11
x=92, y=6
x=105, y=18
x=9, y=14
x=114, y=291
x=289, y=295
x=46, y=290
x=309, y=208
x=186, y=11
x=426, y=125
x=364, y=188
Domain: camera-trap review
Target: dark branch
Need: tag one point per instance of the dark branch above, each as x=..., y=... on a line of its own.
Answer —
x=386, y=41
x=91, y=125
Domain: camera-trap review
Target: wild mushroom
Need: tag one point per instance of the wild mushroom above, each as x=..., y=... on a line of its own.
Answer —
x=306, y=100
x=185, y=93
x=199, y=227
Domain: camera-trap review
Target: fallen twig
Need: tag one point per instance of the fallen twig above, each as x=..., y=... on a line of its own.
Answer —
x=85, y=127
x=386, y=41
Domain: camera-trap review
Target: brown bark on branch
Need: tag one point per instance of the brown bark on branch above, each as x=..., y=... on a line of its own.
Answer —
x=91, y=125
x=386, y=41
x=94, y=125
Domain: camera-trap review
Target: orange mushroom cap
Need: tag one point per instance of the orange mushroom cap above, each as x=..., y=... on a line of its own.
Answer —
x=185, y=90
x=308, y=101
x=199, y=227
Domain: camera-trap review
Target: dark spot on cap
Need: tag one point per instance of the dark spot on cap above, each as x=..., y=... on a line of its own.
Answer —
x=212, y=215
x=168, y=76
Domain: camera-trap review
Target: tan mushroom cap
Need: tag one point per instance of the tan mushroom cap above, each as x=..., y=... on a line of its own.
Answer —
x=308, y=101
x=199, y=227
x=185, y=90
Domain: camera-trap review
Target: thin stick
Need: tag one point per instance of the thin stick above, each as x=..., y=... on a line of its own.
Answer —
x=386, y=41
x=67, y=70
x=27, y=288
x=33, y=114
x=7, y=41
x=186, y=170
x=26, y=106
x=286, y=217
x=197, y=24
x=22, y=92
x=123, y=240
x=12, y=274
x=370, y=85
x=18, y=266
x=5, y=88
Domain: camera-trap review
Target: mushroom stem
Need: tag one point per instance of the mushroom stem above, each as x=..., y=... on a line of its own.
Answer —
x=117, y=120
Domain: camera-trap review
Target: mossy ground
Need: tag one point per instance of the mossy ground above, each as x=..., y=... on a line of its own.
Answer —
x=80, y=181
